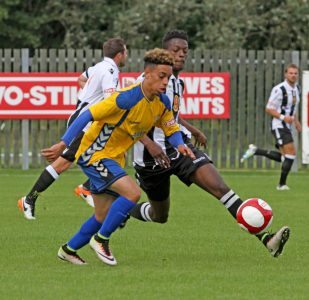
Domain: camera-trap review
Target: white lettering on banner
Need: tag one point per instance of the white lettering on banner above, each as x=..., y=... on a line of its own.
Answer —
x=54, y=90
x=54, y=95
x=2, y=89
x=218, y=85
x=193, y=105
x=191, y=84
x=218, y=106
x=66, y=95
x=12, y=95
x=204, y=85
x=196, y=105
x=38, y=96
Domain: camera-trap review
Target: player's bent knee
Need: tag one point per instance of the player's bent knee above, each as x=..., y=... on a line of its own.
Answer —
x=134, y=195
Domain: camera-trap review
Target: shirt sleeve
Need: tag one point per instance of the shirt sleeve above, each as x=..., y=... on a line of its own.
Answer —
x=88, y=72
x=167, y=123
x=107, y=110
x=76, y=127
x=275, y=99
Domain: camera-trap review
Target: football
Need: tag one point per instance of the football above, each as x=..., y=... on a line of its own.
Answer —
x=254, y=215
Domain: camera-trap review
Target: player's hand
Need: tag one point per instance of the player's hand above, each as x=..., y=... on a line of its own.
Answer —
x=186, y=151
x=297, y=125
x=158, y=154
x=289, y=119
x=52, y=153
x=200, y=138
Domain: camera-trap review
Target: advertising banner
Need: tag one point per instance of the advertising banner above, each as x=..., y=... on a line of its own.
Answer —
x=54, y=95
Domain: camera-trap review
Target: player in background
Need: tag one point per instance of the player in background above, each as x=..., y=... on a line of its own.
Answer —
x=155, y=160
x=83, y=190
x=282, y=107
x=120, y=121
x=103, y=81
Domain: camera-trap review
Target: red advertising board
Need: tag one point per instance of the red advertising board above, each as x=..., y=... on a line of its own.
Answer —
x=207, y=95
x=54, y=95
x=37, y=95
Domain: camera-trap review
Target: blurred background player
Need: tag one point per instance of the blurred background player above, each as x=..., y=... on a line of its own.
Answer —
x=155, y=160
x=282, y=107
x=102, y=82
x=121, y=120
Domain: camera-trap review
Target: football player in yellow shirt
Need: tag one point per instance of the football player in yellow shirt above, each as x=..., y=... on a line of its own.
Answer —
x=120, y=121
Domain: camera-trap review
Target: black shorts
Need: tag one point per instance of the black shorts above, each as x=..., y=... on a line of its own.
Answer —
x=155, y=182
x=69, y=153
x=283, y=136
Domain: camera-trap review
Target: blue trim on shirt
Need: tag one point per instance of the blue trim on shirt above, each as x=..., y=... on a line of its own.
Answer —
x=123, y=118
x=76, y=127
x=164, y=98
x=127, y=99
x=176, y=139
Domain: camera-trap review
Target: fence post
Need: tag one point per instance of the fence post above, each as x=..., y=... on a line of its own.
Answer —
x=25, y=123
x=295, y=60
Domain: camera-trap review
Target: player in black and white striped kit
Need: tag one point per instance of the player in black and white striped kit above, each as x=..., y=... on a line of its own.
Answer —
x=282, y=107
x=155, y=160
x=102, y=82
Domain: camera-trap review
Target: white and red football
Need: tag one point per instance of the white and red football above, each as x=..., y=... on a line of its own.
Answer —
x=254, y=215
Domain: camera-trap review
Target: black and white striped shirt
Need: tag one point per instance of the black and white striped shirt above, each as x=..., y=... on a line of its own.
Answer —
x=276, y=99
x=174, y=92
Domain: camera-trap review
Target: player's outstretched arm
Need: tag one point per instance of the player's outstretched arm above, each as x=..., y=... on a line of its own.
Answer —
x=76, y=127
x=53, y=152
x=200, y=137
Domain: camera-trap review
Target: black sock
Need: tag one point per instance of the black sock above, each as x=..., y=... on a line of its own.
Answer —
x=86, y=184
x=141, y=211
x=231, y=201
x=264, y=237
x=47, y=177
x=285, y=169
x=274, y=155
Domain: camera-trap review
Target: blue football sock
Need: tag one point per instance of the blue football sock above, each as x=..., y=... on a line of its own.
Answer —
x=83, y=236
x=116, y=215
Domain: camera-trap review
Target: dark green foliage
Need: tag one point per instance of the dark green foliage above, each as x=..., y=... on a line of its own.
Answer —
x=251, y=24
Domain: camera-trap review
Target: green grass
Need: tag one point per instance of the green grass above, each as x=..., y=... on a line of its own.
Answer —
x=199, y=254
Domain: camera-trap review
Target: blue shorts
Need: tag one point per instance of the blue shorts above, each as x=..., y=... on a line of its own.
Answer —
x=102, y=174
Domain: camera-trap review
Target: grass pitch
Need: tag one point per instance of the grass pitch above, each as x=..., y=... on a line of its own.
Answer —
x=201, y=253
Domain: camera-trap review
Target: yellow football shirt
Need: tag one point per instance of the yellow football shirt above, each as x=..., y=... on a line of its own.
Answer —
x=120, y=121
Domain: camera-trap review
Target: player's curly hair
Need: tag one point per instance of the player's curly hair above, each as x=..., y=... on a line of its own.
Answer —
x=174, y=34
x=158, y=56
